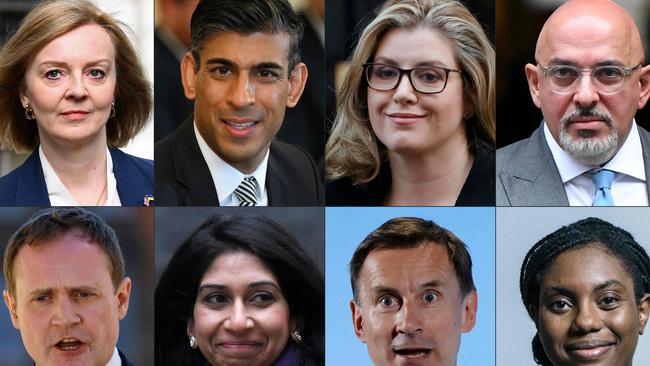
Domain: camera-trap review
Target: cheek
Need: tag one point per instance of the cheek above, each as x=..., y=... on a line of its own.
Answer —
x=206, y=322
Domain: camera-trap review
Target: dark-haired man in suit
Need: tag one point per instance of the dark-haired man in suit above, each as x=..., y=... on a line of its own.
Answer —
x=243, y=70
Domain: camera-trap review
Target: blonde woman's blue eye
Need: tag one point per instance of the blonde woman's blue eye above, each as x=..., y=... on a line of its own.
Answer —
x=95, y=73
x=53, y=74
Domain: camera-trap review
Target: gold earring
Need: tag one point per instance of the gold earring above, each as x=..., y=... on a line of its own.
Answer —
x=29, y=112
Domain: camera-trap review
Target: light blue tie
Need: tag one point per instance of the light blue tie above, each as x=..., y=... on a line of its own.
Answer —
x=603, y=181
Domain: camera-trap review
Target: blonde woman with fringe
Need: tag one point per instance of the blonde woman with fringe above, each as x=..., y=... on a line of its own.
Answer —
x=415, y=123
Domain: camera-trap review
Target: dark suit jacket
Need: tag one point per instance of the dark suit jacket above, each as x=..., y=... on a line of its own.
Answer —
x=25, y=186
x=125, y=362
x=478, y=189
x=183, y=177
x=527, y=174
x=171, y=106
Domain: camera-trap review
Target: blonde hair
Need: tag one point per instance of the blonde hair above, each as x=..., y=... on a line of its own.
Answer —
x=47, y=21
x=353, y=149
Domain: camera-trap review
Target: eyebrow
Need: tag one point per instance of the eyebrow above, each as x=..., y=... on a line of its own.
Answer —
x=431, y=63
x=386, y=289
x=48, y=291
x=565, y=291
x=256, y=284
x=229, y=63
x=562, y=62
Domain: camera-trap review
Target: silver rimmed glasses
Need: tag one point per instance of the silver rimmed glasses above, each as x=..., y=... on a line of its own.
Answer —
x=607, y=79
x=426, y=79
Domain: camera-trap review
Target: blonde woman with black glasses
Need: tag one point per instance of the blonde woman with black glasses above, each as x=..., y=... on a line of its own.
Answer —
x=415, y=123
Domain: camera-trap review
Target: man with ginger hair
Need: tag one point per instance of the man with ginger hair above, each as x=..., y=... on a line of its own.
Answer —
x=589, y=80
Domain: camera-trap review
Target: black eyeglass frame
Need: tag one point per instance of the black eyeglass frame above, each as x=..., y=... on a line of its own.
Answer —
x=408, y=72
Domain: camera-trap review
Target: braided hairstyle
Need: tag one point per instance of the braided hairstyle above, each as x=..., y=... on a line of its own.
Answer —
x=589, y=231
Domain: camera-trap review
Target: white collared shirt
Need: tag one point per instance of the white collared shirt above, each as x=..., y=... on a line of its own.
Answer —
x=629, y=186
x=115, y=359
x=226, y=178
x=59, y=194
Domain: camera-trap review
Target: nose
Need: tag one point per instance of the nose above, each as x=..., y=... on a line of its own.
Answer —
x=586, y=94
x=76, y=88
x=242, y=92
x=587, y=319
x=238, y=320
x=408, y=320
x=405, y=93
x=65, y=313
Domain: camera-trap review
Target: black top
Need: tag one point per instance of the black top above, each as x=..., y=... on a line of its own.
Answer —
x=478, y=189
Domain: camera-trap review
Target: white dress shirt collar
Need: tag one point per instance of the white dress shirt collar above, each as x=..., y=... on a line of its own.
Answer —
x=629, y=186
x=628, y=160
x=59, y=194
x=227, y=178
x=115, y=359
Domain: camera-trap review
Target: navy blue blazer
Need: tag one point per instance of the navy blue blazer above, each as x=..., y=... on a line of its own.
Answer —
x=25, y=186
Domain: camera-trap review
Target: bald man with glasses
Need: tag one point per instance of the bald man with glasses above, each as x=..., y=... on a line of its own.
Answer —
x=588, y=79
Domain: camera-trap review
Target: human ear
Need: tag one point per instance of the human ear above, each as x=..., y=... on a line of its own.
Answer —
x=188, y=75
x=532, y=75
x=470, y=304
x=11, y=306
x=644, y=309
x=357, y=321
x=297, y=82
x=644, y=83
x=190, y=327
x=123, y=295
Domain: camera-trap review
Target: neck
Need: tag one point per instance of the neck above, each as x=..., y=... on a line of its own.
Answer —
x=81, y=169
x=434, y=178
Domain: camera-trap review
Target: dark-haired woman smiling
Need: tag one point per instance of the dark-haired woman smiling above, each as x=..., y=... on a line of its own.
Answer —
x=240, y=291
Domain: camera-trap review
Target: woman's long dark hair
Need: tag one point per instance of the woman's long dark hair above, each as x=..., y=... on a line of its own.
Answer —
x=300, y=280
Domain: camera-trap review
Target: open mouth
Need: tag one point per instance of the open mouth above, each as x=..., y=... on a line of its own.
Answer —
x=412, y=352
x=69, y=344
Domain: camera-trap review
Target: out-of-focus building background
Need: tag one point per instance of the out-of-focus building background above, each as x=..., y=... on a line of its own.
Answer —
x=134, y=229
x=136, y=14
x=518, y=25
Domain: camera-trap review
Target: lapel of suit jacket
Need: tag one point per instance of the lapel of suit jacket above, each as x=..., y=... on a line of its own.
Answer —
x=645, y=147
x=191, y=169
x=538, y=179
x=31, y=189
x=280, y=190
x=132, y=185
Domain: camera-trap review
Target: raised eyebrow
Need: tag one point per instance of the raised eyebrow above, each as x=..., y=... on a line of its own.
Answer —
x=433, y=283
x=607, y=284
x=269, y=65
x=383, y=290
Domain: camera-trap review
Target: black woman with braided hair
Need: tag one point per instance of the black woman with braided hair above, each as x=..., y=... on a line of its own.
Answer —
x=587, y=288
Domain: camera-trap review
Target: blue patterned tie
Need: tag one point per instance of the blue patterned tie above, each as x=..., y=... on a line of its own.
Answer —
x=245, y=192
x=603, y=181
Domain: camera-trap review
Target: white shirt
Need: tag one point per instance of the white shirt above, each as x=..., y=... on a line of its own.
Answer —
x=227, y=178
x=59, y=194
x=115, y=359
x=629, y=186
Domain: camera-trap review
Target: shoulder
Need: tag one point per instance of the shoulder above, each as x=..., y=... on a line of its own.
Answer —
x=145, y=166
x=478, y=189
x=342, y=192
x=293, y=160
x=8, y=188
x=511, y=155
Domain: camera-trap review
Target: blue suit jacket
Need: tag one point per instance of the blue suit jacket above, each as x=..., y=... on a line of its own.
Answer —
x=25, y=186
